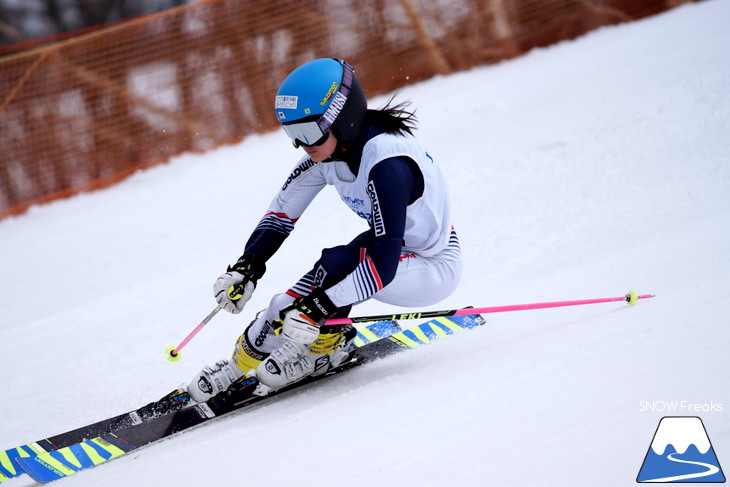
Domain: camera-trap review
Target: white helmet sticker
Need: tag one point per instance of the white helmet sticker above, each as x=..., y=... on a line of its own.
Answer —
x=286, y=102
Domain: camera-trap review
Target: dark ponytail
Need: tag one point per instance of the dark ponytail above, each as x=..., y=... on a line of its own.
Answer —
x=392, y=118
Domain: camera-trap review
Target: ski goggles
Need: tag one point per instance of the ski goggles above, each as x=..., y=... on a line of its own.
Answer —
x=307, y=134
x=313, y=131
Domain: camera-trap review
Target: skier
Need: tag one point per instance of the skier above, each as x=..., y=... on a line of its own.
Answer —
x=410, y=256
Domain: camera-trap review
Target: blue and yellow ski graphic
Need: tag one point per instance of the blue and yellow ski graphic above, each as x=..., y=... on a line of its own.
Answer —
x=435, y=329
x=8, y=467
x=54, y=465
x=375, y=331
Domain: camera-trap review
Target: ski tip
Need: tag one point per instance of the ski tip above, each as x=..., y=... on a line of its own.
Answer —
x=172, y=355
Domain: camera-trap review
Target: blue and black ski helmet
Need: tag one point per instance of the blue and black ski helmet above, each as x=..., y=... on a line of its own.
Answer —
x=318, y=96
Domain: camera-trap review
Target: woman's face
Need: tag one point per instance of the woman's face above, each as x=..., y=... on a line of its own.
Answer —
x=319, y=153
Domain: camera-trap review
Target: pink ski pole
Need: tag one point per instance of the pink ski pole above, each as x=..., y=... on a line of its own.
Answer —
x=631, y=297
x=173, y=353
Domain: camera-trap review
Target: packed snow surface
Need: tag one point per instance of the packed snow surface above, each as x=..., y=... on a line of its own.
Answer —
x=577, y=171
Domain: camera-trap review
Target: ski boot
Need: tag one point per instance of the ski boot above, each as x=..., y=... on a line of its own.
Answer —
x=294, y=361
x=212, y=380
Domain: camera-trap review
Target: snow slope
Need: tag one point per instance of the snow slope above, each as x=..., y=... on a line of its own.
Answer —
x=577, y=171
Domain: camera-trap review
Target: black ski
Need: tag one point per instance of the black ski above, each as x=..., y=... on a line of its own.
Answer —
x=49, y=466
x=174, y=401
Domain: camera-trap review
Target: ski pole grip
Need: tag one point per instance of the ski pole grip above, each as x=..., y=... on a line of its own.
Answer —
x=235, y=292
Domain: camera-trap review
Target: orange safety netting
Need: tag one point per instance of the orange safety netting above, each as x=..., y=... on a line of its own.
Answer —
x=89, y=110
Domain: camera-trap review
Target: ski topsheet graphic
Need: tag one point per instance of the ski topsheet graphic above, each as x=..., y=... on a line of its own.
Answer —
x=681, y=452
x=63, y=462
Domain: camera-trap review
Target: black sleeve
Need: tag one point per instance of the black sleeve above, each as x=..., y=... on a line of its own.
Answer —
x=393, y=184
x=268, y=235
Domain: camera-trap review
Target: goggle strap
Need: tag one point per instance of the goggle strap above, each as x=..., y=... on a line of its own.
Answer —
x=338, y=102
